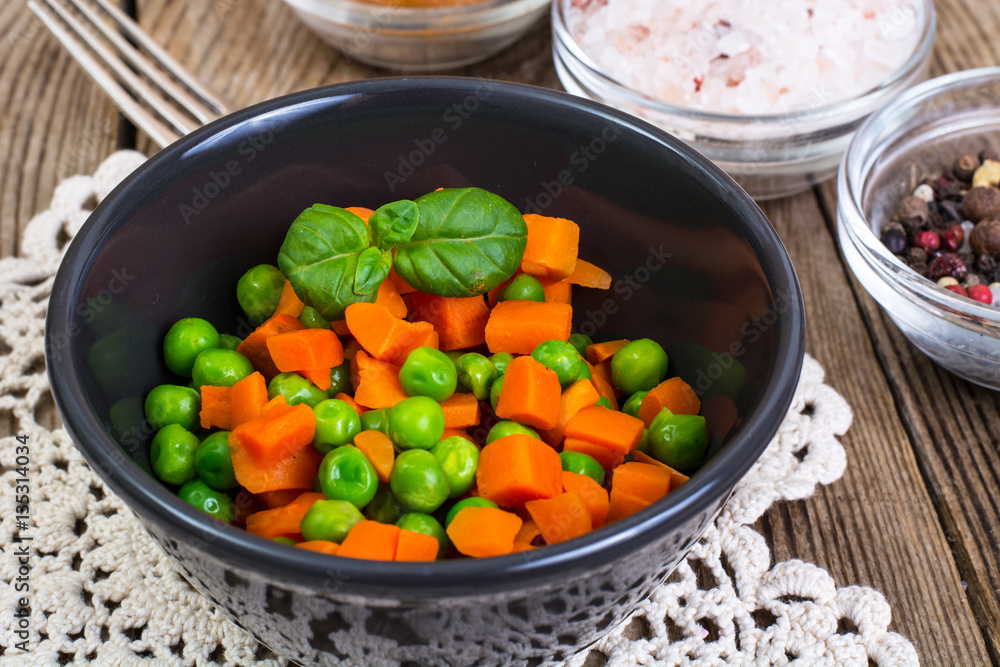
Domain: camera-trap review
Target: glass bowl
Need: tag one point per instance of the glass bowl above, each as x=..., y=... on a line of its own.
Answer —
x=771, y=155
x=912, y=138
x=412, y=39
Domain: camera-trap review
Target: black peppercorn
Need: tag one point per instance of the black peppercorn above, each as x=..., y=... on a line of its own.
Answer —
x=893, y=236
x=965, y=166
x=988, y=154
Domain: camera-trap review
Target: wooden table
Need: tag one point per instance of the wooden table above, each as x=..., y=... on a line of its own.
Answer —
x=916, y=515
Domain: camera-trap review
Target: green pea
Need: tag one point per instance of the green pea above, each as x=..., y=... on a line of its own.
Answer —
x=643, y=445
x=418, y=481
x=330, y=520
x=229, y=341
x=495, y=390
x=419, y=522
x=213, y=462
x=375, y=420
x=467, y=502
x=312, y=319
x=346, y=474
x=459, y=459
x=580, y=342
x=416, y=423
x=213, y=503
x=259, y=290
x=220, y=368
x=561, y=357
x=170, y=404
x=454, y=354
x=340, y=380
x=384, y=507
x=506, y=427
x=582, y=464
x=284, y=540
x=185, y=340
x=584, y=372
x=172, y=454
x=500, y=361
x=679, y=441
x=639, y=366
x=296, y=389
x=428, y=372
x=523, y=288
x=633, y=403
x=336, y=425
x=604, y=402
x=476, y=373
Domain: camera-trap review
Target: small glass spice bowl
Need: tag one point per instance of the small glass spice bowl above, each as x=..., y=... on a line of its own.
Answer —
x=914, y=138
x=769, y=155
x=399, y=35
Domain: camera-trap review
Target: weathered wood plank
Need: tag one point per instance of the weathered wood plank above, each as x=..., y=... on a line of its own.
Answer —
x=876, y=526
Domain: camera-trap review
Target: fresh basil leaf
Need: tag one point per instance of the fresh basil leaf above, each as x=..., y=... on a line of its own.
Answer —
x=373, y=268
x=467, y=242
x=320, y=259
x=393, y=223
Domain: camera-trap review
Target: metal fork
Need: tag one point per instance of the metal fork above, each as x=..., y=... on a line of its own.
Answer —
x=151, y=88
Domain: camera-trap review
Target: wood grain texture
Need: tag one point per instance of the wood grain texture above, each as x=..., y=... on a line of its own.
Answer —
x=54, y=122
x=876, y=526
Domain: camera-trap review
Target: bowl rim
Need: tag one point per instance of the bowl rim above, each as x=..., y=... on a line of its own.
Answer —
x=850, y=107
x=455, y=578
x=852, y=178
x=385, y=14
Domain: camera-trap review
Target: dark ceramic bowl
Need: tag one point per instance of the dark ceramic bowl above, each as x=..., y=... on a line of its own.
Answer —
x=697, y=267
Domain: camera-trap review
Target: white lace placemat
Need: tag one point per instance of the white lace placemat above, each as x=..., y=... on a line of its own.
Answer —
x=102, y=593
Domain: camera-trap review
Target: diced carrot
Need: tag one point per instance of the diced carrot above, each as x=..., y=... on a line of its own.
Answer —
x=361, y=212
x=347, y=398
x=674, y=394
x=280, y=498
x=622, y=504
x=414, y=546
x=377, y=448
x=216, y=410
x=529, y=531
x=518, y=327
x=518, y=468
x=484, y=531
x=371, y=540
x=289, y=302
x=279, y=403
x=352, y=347
x=277, y=434
x=460, y=411
x=402, y=287
x=577, y=396
x=600, y=376
x=320, y=546
x=608, y=458
x=319, y=377
x=593, y=494
x=378, y=383
x=720, y=415
x=586, y=274
x=553, y=244
x=676, y=477
x=561, y=517
x=530, y=394
x=340, y=328
x=460, y=432
x=305, y=350
x=636, y=485
x=459, y=321
x=598, y=352
x=254, y=346
x=247, y=399
x=606, y=427
x=389, y=297
x=385, y=336
x=494, y=294
x=282, y=520
x=558, y=292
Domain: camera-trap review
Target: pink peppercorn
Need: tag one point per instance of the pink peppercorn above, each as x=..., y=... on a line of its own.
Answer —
x=981, y=293
x=957, y=289
x=927, y=240
x=952, y=238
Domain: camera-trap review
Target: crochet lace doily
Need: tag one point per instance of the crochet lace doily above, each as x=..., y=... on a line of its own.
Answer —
x=102, y=592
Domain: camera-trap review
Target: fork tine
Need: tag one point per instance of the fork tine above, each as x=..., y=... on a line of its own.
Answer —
x=191, y=104
x=157, y=130
x=162, y=58
x=142, y=90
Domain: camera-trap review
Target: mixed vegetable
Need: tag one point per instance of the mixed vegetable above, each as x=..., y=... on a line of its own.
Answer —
x=413, y=391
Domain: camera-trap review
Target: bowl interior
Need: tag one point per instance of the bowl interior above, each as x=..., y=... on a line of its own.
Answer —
x=697, y=266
